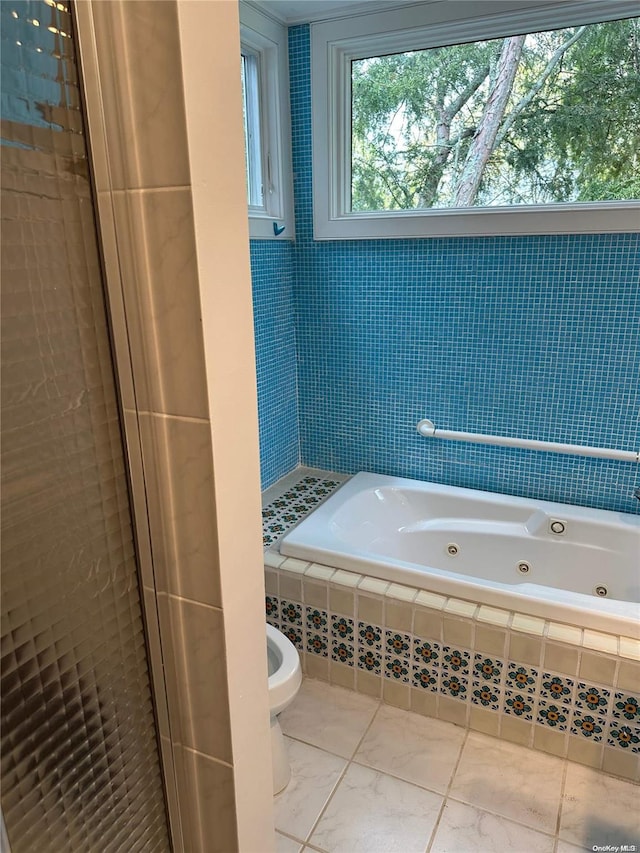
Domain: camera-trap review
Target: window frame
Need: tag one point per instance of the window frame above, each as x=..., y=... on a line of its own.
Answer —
x=266, y=40
x=334, y=44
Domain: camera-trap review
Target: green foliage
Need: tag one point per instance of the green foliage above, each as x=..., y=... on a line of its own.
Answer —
x=570, y=130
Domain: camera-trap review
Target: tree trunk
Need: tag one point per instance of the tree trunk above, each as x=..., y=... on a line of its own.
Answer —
x=482, y=145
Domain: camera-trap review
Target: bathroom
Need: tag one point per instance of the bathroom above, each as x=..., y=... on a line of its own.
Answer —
x=351, y=351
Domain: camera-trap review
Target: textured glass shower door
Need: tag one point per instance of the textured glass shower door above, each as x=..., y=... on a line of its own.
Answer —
x=80, y=764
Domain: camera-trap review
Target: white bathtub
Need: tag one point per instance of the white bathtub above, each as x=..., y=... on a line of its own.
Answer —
x=488, y=548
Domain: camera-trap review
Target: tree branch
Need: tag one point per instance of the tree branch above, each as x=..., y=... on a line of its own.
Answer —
x=533, y=91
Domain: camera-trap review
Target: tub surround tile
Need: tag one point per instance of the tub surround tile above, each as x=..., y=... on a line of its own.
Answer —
x=564, y=633
x=553, y=714
x=484, y=720
x=625, y=706
x=341, y=601
x=585, y=752
x=317, y=644
x=431, y=600
x=457, y=632
x=425, y=703
x=290, y=614
x=461, y=608
x=549, y=740
x=598, y=810
x=600, y=642
x=427, y=623
x=493, y=616
x=398, y=616
x=271, y=583
x=342, y=676
x=487, y=670
x=455, y=686
x=489, y=776
x=519, y=705
x=370, y=609
x=314, y=775
x=588, y=725
x=521, y=678
x=628, y=676
x=453, y=710
x=315, y=594
x=295, y=566
x=516, y=730
x=294, y=634
x=485, y=694
x=413, y=748
x=272, y=607
x=630, y=648
x=624, y=736
x=561, y=658
x=290, y=587
x=396, y=693
x=378, y=587
x=334, y=721
x=374, y=813
x=556, y=688
x=592, y=699
x=621, y=763
x=323, y=573
x=273, y=559
x=595, y=667
x=348, y=579
x=370, y=637
x=525, y=649
x=528, y=624
x=315, y=666
x=342, y=652
x=490, y=641
x=402, y=593
x=465, y=827
x=455, y=661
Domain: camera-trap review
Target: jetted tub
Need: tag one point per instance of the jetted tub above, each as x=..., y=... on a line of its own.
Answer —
x=566, y=563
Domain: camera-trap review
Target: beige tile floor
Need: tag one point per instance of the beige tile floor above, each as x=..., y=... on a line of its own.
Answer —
x=372, y=778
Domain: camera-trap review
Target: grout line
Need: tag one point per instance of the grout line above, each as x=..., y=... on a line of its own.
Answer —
x=565, y=770
x=342, y=775
x=445, y=796
x=289, y=836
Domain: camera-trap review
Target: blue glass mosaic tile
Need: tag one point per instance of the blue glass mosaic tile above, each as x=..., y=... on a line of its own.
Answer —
x=274, y=331
x=532, y=336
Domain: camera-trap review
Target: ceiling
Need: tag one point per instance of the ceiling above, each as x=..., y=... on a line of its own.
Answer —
x=304, y=11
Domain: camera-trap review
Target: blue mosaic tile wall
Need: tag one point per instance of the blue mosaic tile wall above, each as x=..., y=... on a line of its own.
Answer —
x=536, y=337
x=274, y=329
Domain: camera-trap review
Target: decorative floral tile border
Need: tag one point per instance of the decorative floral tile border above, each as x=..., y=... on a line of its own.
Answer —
x=550, y=699
x=282, y=513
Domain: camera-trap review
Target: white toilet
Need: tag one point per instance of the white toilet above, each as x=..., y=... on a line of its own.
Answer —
x=285, y=678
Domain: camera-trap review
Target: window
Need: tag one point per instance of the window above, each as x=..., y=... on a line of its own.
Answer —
x=265, y=97
x=512, y=123
x=252, y=132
